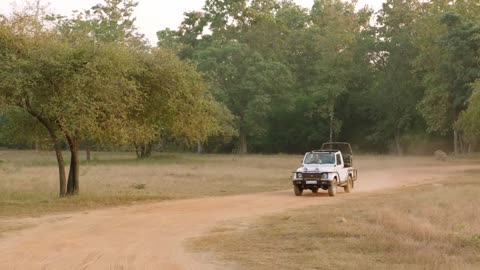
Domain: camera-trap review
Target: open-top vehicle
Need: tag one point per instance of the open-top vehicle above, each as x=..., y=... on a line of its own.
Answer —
x=328, y=168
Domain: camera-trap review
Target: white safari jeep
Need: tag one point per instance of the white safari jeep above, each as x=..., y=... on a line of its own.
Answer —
x=328, y=168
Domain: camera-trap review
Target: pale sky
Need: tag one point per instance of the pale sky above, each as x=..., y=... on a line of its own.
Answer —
x=152, y=15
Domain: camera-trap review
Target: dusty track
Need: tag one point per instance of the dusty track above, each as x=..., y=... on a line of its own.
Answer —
x=152, y=236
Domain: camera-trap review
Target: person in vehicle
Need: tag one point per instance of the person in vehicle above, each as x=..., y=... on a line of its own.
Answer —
x=328, y=158
x=320, y=158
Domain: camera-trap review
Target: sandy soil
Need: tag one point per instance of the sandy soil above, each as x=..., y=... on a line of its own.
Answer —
x=153, y=236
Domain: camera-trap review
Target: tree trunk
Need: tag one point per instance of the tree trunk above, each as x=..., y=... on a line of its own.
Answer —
x=331, y=127
x=461, y=149
x=398, y=144
x=143, y=150
x=57, y=147
x=463, y=142
x=61, y=170
x=455, y=142
x=88, y=150
x=199, y=147
x=70, y=179
x=140, y=151
x=73, y=186
x=148, y=150
x=137, y=151
x=243, y=141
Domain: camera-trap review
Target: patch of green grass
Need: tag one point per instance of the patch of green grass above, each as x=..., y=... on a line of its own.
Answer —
x=426, y=227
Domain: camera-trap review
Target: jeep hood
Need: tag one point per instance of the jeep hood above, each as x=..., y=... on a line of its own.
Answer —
x=314, y=167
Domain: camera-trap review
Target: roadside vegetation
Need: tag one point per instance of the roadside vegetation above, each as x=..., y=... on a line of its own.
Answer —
x=434, y=226
x=27, y=186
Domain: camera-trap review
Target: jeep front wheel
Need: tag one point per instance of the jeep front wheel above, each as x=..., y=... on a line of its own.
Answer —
x=332, y=189
x=348, y=188
x=298, y=190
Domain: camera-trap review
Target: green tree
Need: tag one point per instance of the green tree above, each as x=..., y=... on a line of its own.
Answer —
x=468, y=120
x=245, y=82
x=328, y=55
x=176, y=103
x=316, y=51
x=398, y=90
x=72, y=86
x=110, y=21
x=448, y=80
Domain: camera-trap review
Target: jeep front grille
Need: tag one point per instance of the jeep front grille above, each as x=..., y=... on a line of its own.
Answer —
x=311, y=176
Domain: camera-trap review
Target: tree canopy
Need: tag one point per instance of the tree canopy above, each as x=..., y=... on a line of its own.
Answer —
x=90, y=78
x=390, y=80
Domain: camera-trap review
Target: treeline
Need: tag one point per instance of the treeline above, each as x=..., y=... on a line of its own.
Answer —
x=398, y=80
x=264, y=76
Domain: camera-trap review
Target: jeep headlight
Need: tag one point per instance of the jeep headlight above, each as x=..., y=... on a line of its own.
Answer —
x=324, y=176
x=299, y=175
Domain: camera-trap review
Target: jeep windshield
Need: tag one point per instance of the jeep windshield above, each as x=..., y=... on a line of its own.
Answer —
x=319, y=158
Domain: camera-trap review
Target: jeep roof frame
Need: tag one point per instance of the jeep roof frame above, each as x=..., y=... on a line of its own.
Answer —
x=346, y=149
x=325, y=151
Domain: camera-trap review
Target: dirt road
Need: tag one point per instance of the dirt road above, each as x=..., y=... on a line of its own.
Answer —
x=153, y=236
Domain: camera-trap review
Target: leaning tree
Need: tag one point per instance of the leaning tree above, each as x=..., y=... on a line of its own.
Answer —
x=73, y=85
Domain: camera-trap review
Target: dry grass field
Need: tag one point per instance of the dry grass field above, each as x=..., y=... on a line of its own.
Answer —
x=28, y=180
x=425, y=227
